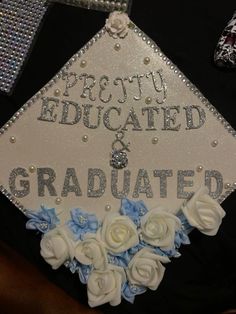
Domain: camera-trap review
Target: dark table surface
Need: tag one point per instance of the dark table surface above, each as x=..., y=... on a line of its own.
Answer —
x=203, y=280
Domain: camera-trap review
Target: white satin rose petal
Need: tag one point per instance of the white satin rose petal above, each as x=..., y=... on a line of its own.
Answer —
x=105, y=286
x=158, y=228
x=119, y=233
x=204, y=213
x=146, y=269
x=91, y=252
x=117, y=24
x=56, y=247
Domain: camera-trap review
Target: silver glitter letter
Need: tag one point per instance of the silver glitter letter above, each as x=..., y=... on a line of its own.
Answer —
x=181, y=183
x=104, y=82
x=99, y=189
x=88, y=86
x=132, y=119
x=116, y=82
x=150, y=116
x=162, y=88
x=170, y=118
x=74, y=187
x=106, y=118
x=66, y=113
x=138, y=77
x=47, y=111
x=146, y=187
x=189, y=117
x=24, y=184
x=86, y=117
x=163, y=174
x=126, y=184
x=71, y=79
x=42, y=182
x=209, y=174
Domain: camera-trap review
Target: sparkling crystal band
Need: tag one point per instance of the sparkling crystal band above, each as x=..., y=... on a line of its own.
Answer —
x=102, y=5
x=19, y=22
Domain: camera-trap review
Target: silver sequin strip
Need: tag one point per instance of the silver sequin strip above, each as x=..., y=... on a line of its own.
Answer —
x=79, y=55
x=19, y=22
x=101, y=5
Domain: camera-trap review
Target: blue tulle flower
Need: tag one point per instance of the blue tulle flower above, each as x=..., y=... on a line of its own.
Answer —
x=134, y=210
x=121, y=259
x=130, y=291
x=72, y=265
x=82, y=223
x=43, y=220
x=84, y=272
x=185, y=224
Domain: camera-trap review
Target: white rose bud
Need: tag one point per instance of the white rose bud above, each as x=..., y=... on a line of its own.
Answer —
x=119, y=233
x=56, y=247
x=203, y=212
x=105, y=286
x=91, y=252
x=145, y=269
x=117, y=24
x=159, y=227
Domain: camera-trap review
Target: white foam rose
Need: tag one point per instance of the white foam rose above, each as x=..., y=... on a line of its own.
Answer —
x=146, y=269
x=158, y=228
x=117, y=24
x=203, y=212
x=119, y=233
x=91, y=252
x=105, y=286
x=57, y=247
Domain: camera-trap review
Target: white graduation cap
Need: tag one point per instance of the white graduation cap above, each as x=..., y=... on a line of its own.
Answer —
x=118, y=121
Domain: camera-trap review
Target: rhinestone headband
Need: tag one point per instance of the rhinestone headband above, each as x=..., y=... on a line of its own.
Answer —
x=19, y=22
x=102, y=5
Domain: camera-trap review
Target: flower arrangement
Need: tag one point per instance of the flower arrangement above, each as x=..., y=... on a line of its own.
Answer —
x=123, y=255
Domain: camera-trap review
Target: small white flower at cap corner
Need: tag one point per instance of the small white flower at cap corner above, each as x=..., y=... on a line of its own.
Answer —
x=56, y=247
x=105, y=286
x=203, y=212
x=146, y=269
x=158, y=228
x=117, y=24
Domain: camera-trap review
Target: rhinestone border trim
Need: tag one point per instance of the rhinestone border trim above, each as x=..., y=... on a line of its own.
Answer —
x=78, y=55
x=19, y=22
x=101, y=5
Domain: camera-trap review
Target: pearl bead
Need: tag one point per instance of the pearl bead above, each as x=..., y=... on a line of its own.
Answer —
x=234, y=185
x=117, y=47
x=85, y=138
x=148, y=100
x=32, y=169
x=12, y=139
x=58, y=200
x=108, y=208
x=146, y=60
x=155, y=140
x=214, y=143
x=83, y=63
x=227, y=185
x=57, y=92
x=199, y=168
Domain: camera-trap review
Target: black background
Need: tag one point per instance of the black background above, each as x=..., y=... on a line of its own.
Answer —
x=203, y=280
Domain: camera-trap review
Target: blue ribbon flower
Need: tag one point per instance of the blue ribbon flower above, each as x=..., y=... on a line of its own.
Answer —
x=134, y=210
x=81, y=223
x=130, y=291
x=43, y=220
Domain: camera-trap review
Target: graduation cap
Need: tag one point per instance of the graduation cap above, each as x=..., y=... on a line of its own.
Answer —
x=119, y=121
